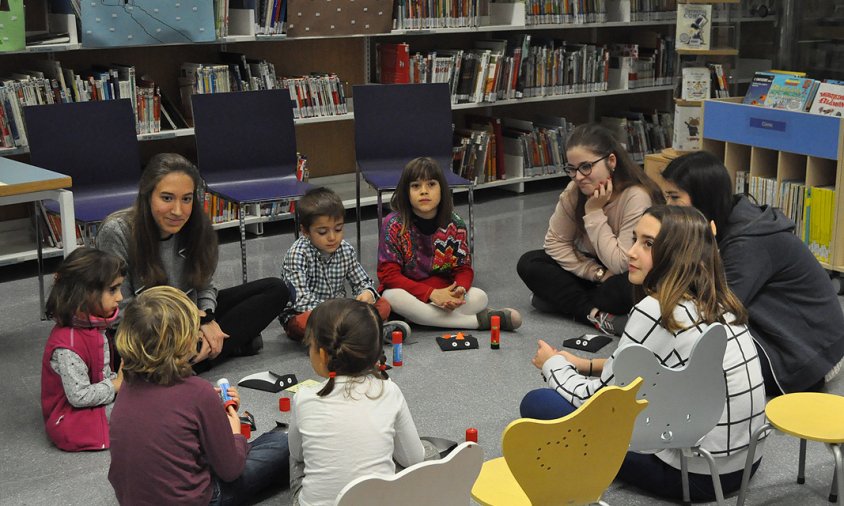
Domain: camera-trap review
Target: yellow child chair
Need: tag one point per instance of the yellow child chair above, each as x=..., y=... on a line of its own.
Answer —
x=571, y=460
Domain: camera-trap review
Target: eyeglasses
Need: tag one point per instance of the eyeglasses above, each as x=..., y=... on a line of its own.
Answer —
x=584, y=168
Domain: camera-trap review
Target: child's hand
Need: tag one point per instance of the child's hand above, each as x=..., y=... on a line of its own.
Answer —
x=118, y=381
x=214, y=336
x=233, y=393
x=443, y=298
x=234, y=420
x=600, y=197
x=458, y=291
x=544, y=351
x=366, y=296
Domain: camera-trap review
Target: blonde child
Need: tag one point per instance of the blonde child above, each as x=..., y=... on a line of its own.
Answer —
x=172, y=441
x=674, y=264
x=77, y=381
x=424, y=264
x=320, y=263
x=357, y=421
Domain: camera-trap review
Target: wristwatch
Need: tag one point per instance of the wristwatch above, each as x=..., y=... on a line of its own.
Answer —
x=599, y=274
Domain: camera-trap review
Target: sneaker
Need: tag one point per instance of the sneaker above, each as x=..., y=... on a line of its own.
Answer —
x=541, y=304
x=833, y=372
x=610, y=324
x=393, y=325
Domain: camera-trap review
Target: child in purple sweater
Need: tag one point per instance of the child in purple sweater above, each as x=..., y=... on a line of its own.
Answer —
x=172, y=442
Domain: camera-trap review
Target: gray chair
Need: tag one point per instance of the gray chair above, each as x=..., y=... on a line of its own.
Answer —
x=684, y=404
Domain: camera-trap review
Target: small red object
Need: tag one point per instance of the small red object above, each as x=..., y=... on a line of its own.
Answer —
x=495, y=332
x=246, y=430
x=284, y=404
x=472, y=434
x=398, y=356
x=230, y=403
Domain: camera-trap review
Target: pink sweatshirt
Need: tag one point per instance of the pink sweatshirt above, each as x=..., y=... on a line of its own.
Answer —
x=609, y=232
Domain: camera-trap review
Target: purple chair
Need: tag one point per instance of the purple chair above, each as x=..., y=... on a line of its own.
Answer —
x=96, y=144
x=246, y=149
x=395, y=123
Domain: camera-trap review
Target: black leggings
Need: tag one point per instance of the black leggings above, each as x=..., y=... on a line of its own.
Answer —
x=243, y=311
x=572, y=295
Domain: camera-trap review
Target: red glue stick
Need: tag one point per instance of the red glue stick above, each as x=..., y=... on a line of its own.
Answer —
x=495, y=332
x=472, y=434
x=397, y=345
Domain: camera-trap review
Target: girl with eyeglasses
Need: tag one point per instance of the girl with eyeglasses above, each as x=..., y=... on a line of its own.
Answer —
x=582, y=269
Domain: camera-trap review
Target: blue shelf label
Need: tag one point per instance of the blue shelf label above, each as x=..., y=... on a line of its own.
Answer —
x=767, y=124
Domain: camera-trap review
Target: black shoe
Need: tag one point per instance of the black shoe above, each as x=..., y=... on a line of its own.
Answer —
x=253, y=348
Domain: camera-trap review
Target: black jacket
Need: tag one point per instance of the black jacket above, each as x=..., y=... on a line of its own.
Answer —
x=794, y=311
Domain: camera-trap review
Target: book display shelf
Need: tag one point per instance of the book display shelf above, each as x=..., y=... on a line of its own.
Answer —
x=791, y=160
x=314, y=45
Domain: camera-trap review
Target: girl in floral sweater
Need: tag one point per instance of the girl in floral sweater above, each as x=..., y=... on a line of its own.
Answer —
x=424, y=264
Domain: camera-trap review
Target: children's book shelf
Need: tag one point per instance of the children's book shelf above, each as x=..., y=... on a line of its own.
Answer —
x=785, y=147
x=328, y=141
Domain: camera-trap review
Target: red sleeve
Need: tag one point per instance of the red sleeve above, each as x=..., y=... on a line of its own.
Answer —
x=224, y=451
x=463, y=276
x=390, y=276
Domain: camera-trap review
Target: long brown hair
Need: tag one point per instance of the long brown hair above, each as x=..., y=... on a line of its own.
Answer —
x=158, y=336
x=687, y=265
x=80, y=282
x=423, y=168
x=350, y=333
x=197, y=237
x=601, y=141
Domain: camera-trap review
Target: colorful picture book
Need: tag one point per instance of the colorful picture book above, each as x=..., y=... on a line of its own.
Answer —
x=757, y=92
x=693, y=26
x=791, y=93
x=829, y=100
x=147, y=22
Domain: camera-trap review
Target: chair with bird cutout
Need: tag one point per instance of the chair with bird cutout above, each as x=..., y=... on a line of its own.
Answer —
x=571, y=460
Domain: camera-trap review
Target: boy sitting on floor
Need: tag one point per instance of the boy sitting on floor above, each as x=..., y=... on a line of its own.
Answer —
x=319, y=263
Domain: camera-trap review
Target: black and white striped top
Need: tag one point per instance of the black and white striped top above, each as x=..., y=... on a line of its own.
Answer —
x=745, y=408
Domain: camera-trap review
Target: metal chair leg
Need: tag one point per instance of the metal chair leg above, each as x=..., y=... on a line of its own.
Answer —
x=242, y=219
x=837, y=478
x=380, y=218
x=801, y=464
x=716, y=476
x=748, y=463
x=357, y=207
x=39, y=249
x=684, y=472
x=472, y=220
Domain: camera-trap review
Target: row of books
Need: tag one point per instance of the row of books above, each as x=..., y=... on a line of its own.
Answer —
x=47, y=82
x=541, y=12
x=633, y=67
x=792, y=91
x=428, y=14
x=811, y=208
x=538, y=147
x=700, y=83
x=51, y=229
x=642, y=132
x=313, y=95
x=653, y=10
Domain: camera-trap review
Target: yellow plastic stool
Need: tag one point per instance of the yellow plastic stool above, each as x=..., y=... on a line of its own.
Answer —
x=808, y=416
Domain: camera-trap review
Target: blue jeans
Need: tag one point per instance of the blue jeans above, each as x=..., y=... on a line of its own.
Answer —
x=266, y=465
x=645, y=471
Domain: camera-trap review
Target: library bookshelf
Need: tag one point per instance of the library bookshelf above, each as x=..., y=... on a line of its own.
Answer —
x=783, y=147
x=328, y=141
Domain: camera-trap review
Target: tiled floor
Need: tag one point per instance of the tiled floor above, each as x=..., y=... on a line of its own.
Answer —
x=446, y=392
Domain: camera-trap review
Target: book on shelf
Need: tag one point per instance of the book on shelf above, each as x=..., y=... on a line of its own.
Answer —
x=146, y=23
x=51, y=229
x=492, y=126
x=791, y=93
x=697, y=82
x=541, y=12
x=12, y=27
x=829, y=100
x=425, y=15
x=393, y=65
x=693, y=26
x=688, y=121
x=720, y=83
x=471, y=154
x=757, y=92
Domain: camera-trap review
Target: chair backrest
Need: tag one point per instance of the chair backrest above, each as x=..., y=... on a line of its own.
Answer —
x=446, y=482
x=572, y=460
x=400, y=122
x=95, y=143
x=684, y=404
x=244, y=131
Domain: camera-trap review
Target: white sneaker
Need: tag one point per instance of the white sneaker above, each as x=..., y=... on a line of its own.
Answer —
x=392, y=326
x=833, y=372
